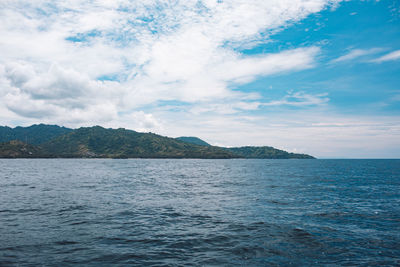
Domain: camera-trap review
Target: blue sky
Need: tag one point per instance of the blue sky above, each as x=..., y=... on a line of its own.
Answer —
x=313, y=76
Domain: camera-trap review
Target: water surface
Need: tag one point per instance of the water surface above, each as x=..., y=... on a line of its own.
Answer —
x=138, y=212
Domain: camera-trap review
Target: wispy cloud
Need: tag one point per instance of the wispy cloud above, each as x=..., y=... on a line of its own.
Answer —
x=395, y=55
x=356, y=53
x=300, y=99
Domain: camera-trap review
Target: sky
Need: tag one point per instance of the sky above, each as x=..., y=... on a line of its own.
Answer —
x=320, y=77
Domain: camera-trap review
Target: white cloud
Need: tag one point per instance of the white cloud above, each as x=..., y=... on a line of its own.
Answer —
x=395, y=55
x=229, y=107
x=300, y=99
x=356, y=53
x=53, y=53
x=235, y=105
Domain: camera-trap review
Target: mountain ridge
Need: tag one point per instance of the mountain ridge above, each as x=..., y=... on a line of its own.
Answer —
x=35, y=134
x=193, y=140
x=52, y=141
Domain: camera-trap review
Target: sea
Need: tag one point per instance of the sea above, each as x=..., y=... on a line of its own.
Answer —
x=197, y=212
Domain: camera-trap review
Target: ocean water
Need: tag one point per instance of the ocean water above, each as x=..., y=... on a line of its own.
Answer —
x=152, y=212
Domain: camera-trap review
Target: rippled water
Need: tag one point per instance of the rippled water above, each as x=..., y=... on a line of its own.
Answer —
x=91, y=212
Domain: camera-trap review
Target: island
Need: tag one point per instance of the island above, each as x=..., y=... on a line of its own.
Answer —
x=53, y=141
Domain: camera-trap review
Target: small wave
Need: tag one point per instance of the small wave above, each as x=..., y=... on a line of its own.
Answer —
x=87, y=186
x=78, y=223
x=72, y=208
x=112, y=258
x=65, y=242
x=7, y=263
x=19, y=211
x=16, y=185
x=201, y=217
x=303, y=237
x=330, y=214
x=172, y=214
x=126, y=213
x=247, y=252
x=278, y=202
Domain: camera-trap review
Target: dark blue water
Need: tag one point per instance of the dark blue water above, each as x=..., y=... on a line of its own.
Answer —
x=93, y=212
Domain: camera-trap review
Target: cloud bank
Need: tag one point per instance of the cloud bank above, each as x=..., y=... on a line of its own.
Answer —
x=86, y=62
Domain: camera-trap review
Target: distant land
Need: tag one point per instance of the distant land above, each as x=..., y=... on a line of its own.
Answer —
x=193, y=140
x=53, y=141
